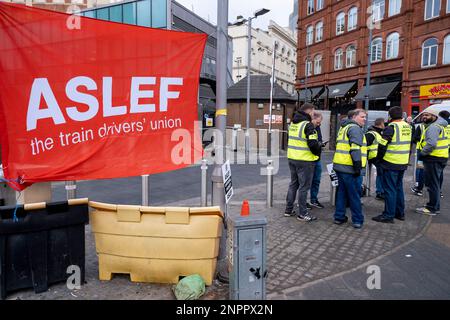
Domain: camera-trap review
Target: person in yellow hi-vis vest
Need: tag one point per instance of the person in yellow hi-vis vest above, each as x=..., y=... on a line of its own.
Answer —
x=349, y=159
x=434, y=153
x=444, y=114
x=373, y=137
x=303, y=152
x=393, y=154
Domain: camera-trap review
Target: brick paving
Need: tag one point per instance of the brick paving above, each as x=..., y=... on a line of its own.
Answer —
x=317, y=260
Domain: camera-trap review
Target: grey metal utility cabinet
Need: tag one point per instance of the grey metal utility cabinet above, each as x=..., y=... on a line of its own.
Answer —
x=246, y=249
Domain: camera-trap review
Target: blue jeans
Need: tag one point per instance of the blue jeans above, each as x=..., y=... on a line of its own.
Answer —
x=394, y=198
x=349, y=190
x=316, y=181
x=379, y=180
x=419, y=179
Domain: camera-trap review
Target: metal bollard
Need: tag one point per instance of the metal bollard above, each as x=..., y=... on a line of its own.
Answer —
x=71, y=189
x=204, y=169
x=368, y=179
x=145, y=198
x=270, y=183
x=332, y=194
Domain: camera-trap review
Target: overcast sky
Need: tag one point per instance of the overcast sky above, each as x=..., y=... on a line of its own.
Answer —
x=279, y=10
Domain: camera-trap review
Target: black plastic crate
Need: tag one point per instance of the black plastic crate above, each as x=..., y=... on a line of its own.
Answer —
x=37, y=249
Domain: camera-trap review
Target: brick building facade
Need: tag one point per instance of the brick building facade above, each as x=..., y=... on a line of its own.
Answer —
x=410, y=53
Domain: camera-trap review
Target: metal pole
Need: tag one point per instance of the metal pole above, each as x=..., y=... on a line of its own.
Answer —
x=332, y=194
x=71, y=189
x=247, y=114
x=218, y=195
x=367, y=93
x=145, y=198
x=204, y=169
x=306, y=72
x=270, y=183
x=272, y=84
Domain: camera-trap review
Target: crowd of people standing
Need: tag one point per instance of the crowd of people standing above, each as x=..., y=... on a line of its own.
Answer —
x=385, y=145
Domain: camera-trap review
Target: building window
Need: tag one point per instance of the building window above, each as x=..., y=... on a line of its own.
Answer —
x=308, y=67
x=159, y=13
x=350, y=60
x=309, y=35
x=395, y=6
x=115, y=13
x=446, y=59
x=377, y=50
x=318, y=64
x=340, y=23
x=378, y=10
x=429, y=52
x=448, y=6
x=319, y=5
x=143, y=13
x=392, y=43
x=352, y=18
x=319, y=31
x=129, y=13
x=432, y=9
x=338, y=59
x=310, y=7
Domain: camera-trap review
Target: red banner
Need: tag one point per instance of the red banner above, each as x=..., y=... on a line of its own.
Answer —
x=82, y=98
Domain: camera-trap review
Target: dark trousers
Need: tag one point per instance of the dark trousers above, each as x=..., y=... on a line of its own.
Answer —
x=433, y=172
x=419, y=179
x=301, y=178
x=315, y=185
x=394, y=197
x=349, y=191
x=379, y=180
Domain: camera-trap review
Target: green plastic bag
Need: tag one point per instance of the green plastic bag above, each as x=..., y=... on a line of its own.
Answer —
x=190, y=288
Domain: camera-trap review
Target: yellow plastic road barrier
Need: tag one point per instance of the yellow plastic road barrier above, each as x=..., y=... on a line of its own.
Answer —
x=156, y=244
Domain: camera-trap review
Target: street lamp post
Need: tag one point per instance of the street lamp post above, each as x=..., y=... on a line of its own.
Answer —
x=241, y=21
x=218, y=191
x=366, y=104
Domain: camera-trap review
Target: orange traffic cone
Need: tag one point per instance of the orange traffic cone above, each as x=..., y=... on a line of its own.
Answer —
x=245, y=209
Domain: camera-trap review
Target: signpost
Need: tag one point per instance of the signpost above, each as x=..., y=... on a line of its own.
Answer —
x=227, y=184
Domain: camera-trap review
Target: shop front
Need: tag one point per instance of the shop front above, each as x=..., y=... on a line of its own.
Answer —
x=431, y=94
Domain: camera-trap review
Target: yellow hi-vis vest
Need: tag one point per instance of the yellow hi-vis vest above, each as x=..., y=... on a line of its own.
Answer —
x=441, y=149
x=398, y=150
x=422, y=129
x=343, y=148
x=447, y=133
x=373, y=148
x=298, y=143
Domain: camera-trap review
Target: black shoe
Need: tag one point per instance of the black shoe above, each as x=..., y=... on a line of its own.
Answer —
x=306, y=218
x=379, y=196
x=339, y=222
x=317, y=204
x=442, y=195
x=357, y=225
x=308, y=206
x=401, y=218
x=290, y=214
x=382, y=219
x=416, y=191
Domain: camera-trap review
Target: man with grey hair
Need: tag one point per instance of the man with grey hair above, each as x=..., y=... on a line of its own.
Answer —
x=350, y=158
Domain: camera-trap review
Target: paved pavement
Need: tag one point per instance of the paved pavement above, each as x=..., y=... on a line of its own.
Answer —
x=316, y=260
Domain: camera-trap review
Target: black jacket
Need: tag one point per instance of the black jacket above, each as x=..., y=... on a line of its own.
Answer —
x=313, y=145
x=369, y=137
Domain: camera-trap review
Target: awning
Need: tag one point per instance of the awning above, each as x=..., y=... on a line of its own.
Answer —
x=312, y=93
x=337, y=90
x=380, y=91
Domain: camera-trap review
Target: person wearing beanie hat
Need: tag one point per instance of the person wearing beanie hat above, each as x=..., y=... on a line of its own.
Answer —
x=434, y=153
x=393, y=156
